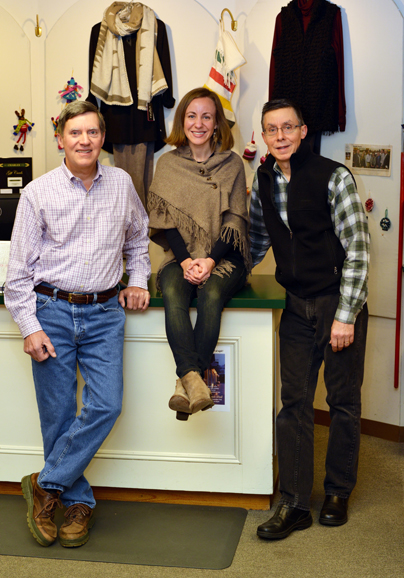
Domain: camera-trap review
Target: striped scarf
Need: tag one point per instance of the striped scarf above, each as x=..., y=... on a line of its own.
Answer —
x=109, y=79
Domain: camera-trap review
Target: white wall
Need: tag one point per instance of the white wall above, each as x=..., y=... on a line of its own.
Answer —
x=373, y=40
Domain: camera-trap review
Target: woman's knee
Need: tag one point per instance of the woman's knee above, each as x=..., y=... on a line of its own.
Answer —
x=212, y=294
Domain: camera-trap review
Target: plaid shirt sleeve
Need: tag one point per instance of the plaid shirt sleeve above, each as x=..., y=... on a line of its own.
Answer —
x=260, y=240
x=350, y=225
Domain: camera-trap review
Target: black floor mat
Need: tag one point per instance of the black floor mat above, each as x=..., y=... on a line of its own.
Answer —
x=204, y=537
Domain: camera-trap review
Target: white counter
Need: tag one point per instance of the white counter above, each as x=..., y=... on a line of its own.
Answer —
x=215, y=451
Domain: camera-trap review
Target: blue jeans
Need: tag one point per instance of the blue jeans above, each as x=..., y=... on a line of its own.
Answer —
x=92, y=337
x=193, y=347
x=304, y=345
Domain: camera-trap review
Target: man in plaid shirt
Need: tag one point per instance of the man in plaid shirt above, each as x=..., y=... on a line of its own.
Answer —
x=307, y=208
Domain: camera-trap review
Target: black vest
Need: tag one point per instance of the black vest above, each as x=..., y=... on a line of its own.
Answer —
x=309, y=256
x=306, y=68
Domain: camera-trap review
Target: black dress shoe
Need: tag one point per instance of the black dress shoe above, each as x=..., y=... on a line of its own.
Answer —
x=283, y=522
x=334, y=511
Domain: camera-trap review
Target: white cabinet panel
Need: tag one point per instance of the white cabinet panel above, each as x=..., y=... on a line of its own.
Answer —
x=229, y=451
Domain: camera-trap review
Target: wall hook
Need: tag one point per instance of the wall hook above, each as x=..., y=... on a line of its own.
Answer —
x=38, y=29
x=233, y=22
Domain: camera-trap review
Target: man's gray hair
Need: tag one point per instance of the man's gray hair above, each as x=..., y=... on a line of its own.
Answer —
x=74, y=109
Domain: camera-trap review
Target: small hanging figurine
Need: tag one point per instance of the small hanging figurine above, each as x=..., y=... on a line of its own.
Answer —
x=22, y=127
x=71, y=91
x=250, y=149
x=369, y=204
x=385, y=223
x=55, y=122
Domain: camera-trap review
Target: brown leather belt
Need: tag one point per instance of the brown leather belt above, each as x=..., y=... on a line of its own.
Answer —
x=77, y=298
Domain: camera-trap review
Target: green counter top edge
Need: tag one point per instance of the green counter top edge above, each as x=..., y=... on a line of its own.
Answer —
x=261, y=292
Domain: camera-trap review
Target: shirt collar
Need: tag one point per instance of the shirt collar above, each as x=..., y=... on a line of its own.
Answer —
x=71, y=176
x=278, y=170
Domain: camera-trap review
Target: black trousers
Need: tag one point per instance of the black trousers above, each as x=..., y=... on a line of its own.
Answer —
x=304, y=345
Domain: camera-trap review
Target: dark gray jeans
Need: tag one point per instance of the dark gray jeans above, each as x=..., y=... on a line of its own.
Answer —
x=304, y=345
x=193, y=347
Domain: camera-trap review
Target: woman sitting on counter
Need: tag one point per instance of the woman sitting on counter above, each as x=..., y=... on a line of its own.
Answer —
x=198, y=214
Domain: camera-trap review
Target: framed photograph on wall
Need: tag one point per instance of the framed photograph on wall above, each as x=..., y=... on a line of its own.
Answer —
x=365, y=159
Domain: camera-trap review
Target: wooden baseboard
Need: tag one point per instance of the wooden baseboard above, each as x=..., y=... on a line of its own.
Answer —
x=248, y=501
x=377, y=429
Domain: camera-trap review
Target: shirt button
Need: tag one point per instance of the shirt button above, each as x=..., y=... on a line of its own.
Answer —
x=202, y=171
x=214, y=186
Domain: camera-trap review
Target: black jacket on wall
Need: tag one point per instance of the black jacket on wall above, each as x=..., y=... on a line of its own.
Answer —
x=126, y=124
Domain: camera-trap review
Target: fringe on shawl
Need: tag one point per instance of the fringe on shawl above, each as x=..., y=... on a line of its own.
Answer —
x=179, y=219
x=240, y=242
x=224, y=267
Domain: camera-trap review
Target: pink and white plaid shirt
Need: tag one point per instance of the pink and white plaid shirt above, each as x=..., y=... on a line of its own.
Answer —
x=74, y=239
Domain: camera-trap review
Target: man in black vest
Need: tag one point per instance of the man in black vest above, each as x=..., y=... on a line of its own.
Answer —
x=308, y=209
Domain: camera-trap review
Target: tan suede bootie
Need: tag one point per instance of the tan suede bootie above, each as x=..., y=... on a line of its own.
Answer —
x=198, y=393
x=179, y=402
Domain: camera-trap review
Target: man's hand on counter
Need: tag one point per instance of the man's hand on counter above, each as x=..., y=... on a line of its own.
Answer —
x=136, y=298
x=39, y=346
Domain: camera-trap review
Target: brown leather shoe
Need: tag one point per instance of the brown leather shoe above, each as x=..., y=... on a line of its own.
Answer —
x=200, y=397
x=41, y=510
x=74, y=530
x=179, y=402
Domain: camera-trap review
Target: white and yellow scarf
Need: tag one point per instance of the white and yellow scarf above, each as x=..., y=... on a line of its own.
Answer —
x=109, y=80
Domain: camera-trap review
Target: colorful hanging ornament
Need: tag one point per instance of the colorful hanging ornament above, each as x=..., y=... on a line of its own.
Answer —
x=369, y=204
x=23, y=126
x=71, y=91
x=385, y=223
x=263, y=158
x=55, y=122
x=250, y=150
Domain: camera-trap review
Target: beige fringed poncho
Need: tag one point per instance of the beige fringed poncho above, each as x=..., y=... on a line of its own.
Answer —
x=204, y=201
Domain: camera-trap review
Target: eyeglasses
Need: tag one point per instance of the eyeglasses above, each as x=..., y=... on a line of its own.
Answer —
x=286, y=129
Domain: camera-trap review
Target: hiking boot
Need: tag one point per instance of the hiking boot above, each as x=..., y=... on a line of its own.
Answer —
x=41, y=510
x=73, y=532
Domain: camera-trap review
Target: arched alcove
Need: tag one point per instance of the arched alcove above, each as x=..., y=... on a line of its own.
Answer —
x=192, y=40
x=15, y=72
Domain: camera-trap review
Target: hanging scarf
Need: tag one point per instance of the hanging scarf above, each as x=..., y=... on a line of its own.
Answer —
x=109, y=80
